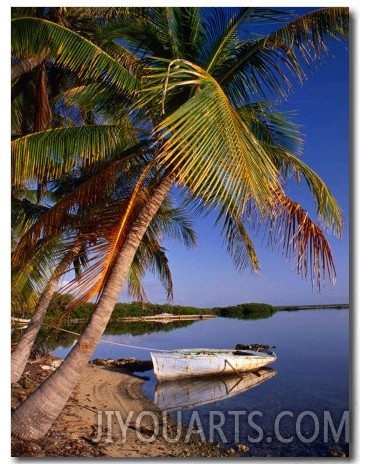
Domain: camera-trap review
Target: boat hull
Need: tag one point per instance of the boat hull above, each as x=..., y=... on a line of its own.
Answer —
x=169, y=365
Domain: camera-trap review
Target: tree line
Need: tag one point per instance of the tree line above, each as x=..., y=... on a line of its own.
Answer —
x=251, y=310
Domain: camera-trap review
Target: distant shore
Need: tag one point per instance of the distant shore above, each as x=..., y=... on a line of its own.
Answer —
x=302, y=307
x=165, y=313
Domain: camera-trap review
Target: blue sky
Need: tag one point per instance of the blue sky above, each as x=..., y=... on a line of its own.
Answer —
x=206, y=276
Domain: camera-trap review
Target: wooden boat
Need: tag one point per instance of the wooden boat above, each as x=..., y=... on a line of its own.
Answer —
x=188, y=393
x=181, y=363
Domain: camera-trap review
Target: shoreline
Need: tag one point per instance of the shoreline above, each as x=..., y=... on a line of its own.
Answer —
x=108, y=415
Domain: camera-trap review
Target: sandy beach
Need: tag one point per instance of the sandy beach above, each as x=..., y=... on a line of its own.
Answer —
x=108, y=415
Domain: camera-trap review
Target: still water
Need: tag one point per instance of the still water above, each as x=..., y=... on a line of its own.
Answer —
x=299, y=409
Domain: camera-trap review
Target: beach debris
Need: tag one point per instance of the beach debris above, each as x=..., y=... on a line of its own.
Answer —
x=130, y=364
x=253, y=346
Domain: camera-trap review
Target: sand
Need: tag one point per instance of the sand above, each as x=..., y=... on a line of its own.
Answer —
x=108, y=415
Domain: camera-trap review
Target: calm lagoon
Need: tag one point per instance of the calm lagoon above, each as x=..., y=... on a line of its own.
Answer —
x=302, y=409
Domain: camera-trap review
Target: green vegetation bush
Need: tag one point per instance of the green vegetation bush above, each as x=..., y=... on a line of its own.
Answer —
x=246, y=311
x=136, y=309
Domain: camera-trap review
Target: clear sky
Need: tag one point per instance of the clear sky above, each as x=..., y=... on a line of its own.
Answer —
x=206, y=276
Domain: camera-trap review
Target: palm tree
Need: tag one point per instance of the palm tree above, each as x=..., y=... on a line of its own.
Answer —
x=169, y=221
x=203, y=94
x=21, y=352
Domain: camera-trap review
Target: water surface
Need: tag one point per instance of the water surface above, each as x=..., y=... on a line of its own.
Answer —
x=297, y=411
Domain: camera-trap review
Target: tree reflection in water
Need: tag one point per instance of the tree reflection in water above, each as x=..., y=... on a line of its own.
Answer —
x=51, y=338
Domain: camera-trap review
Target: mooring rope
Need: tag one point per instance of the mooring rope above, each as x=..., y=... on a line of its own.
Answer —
x=109, y=341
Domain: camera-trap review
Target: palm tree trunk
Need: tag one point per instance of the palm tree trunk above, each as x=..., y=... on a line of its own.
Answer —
x=25, y=66
x=21, y=353
x=34, y=417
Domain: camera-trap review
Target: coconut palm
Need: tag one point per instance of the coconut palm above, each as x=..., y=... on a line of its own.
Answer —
x=203, y=97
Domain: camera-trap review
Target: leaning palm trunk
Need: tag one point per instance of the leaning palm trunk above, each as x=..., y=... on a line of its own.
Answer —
x=33, y=418
x=21, y=353
x=25, y=66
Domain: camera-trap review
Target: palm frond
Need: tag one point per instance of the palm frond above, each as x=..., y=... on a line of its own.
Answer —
x=239, y=244
x=301, y=240
x=327, y=207
x=281, y=138
x=21, y=12
x=272, y=127
x=150, y=256
x=29, y=278
x=174, y=223
x=134, y=284
x=145, y=31
x=221, y=35
x=103, y=101
x=34, y=37
x=25, y=212
x=79, y=198
x=169, y=222
x=110, y=224
x=51, y=153
x=264, y=67
x=234, y=227
x=205, y=142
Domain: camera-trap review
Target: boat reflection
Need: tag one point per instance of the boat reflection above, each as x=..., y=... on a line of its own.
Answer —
x=195, y=391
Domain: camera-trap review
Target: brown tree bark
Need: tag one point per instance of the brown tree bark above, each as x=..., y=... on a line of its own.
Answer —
x=25, y=66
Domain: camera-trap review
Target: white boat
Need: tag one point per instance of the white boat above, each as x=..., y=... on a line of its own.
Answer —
x=181, y=363
x=189, y=393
